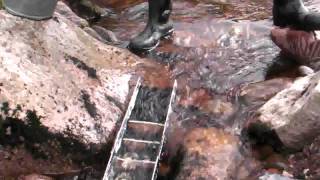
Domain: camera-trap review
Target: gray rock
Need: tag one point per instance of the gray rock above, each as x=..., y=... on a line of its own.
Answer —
x=64, y=10
x=294, y=112
x=65, y=75
x=261, y=92
x=61, y=94
x=94, y=7
x=62, y=87
x=93, y=33
x=105, y=34
x=305, y=71
x=274, y=177
x=137, y=11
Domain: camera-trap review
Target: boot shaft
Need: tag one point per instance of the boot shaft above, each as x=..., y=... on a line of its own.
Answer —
x=288, y=12
x=159, y=11
x=32, y=9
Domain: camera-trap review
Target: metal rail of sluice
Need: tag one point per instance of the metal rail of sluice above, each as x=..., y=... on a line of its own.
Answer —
x=136, y=157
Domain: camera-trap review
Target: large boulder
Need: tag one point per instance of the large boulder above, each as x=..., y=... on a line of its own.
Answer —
x=61, y=92
x=70, y=79
x=294, y=112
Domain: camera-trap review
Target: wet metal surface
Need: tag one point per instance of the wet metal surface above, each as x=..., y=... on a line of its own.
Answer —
x=140, y=139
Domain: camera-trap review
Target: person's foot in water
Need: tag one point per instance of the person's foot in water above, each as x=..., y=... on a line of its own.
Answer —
x=293, y=13
x=158, y=26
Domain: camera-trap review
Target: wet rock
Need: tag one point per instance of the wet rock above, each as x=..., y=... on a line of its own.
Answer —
x=205, y=102
x=216, y=1
x=305, y=71
x=35, y=177
x=93, y=33
x=276, y=162
x=94, y=7
x=17, y=161
x=67, y=12
x=61, y=92
x=261, y=92
x=63, y=74
x=209, y=154
x=87, y=9
x=301, y=45
x=306, y=164
x=293, y=113
x=118, y=4
x=107, y=35
x=137, y=11
x=274, y=177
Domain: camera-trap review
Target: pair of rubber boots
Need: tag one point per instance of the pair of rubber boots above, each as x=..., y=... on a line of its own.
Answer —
x=158, y=27
x=293, y=13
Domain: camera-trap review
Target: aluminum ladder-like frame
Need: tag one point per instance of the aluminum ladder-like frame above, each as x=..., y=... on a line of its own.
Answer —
x=123, y=128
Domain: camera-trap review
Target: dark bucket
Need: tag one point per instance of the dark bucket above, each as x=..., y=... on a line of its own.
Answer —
x=32, y=9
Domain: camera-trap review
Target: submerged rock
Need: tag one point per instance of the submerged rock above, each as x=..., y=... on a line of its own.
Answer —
x=259, y=93
x=210, y=154
x=294, y=112
x=306, y=164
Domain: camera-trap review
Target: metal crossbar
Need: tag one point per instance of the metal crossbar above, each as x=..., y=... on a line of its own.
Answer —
x=155, y=145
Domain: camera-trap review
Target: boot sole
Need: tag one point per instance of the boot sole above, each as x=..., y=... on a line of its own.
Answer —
x=169, y=33
x=152, y=48
x=148, y=49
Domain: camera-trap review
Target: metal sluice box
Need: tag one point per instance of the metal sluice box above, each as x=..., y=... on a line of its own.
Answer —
x=32, y=9
x=138, y=145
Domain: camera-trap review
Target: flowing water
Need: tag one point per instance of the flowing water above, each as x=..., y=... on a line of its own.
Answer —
x=218, y=47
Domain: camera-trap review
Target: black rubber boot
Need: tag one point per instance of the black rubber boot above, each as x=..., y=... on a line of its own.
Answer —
x=158, y=26
x=293, y=13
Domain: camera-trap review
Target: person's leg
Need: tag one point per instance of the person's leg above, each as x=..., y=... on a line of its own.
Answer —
x=157, y=27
